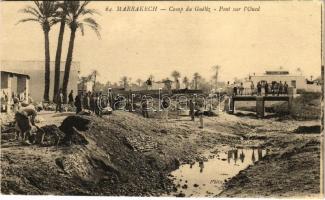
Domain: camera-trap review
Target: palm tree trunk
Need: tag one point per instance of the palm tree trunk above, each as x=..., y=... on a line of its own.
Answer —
x=68, y=65
x=47, y=66
x=94, y=85
x=58, y=60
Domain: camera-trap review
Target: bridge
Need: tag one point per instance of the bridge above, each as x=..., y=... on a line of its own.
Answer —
x=248, y=95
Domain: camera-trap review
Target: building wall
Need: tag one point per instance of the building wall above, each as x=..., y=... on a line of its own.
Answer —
x=35, y=69
x=4, y=80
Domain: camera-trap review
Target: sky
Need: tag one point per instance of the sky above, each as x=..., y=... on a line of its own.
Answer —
x=137, y=44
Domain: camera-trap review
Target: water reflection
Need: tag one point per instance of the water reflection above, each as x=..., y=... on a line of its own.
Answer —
x=210, y=175
x=201, y=165
x=242, y=156
x=233, y=155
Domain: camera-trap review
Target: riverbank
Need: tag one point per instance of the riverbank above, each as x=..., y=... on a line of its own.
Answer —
x=131, y=156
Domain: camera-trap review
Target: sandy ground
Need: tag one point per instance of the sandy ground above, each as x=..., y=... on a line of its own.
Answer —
x=131, y=156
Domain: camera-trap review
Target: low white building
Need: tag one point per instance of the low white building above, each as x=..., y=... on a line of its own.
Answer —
x=35, y=71
x=295, y=80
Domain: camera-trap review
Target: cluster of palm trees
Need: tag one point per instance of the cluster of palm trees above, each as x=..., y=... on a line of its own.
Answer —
x=74, y=14
x=186, y=81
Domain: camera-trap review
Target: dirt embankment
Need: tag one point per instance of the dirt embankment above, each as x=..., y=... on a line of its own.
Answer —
x=291, y=172
x=125, y=154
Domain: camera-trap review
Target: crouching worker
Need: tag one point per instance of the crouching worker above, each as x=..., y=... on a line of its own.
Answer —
x=25, y=123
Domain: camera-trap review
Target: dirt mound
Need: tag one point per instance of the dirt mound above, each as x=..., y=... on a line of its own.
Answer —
x=72, y=125
x=308, y=129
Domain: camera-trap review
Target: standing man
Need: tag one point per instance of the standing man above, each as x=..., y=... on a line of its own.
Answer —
x=235, y=89
x=285, y=88
x=266, y=88
x=252, y=88
x=280, y=91
x=145, y=107
x=86, y=102
x=59, y=101
x=78, y=103
x=71, y=98
x=98, y=110
x=192, y=111
x=259, y=89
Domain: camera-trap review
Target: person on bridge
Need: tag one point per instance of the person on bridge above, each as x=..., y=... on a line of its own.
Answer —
x=235, y=89
x=280, y=91
x=272, y=87
x=259, y=89
x=285, y=88
x=266, y=88
x=241, y=89
x=252, y=88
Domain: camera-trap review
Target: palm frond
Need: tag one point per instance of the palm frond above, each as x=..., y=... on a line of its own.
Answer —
x=31, y=10
x=89, y=12
x=91, y=22
x=27, y=20
x=82, y=30
x=54, y=21
x=95, y=29
x=82, y=7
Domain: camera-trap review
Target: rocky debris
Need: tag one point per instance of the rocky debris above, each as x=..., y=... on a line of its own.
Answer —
x=51, y=135
x=181, y=194
x=51, y=107
x=142, y=143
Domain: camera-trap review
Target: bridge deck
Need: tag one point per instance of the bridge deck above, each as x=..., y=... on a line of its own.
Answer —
x=265, y=98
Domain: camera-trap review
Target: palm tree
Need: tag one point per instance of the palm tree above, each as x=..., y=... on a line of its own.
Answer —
x=62, y=14
x=176, y=75
x=125, y=81
x=139, y=81
x=151, y=77
x=77, y=18
x=44, y=13
x=186, y=82
x=216, y=75
x=196, y=77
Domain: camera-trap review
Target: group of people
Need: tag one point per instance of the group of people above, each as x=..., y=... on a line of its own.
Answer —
x=274, y=88
x=165, y=104
x=15, y=101
x=83, y=101
x=262, y=87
